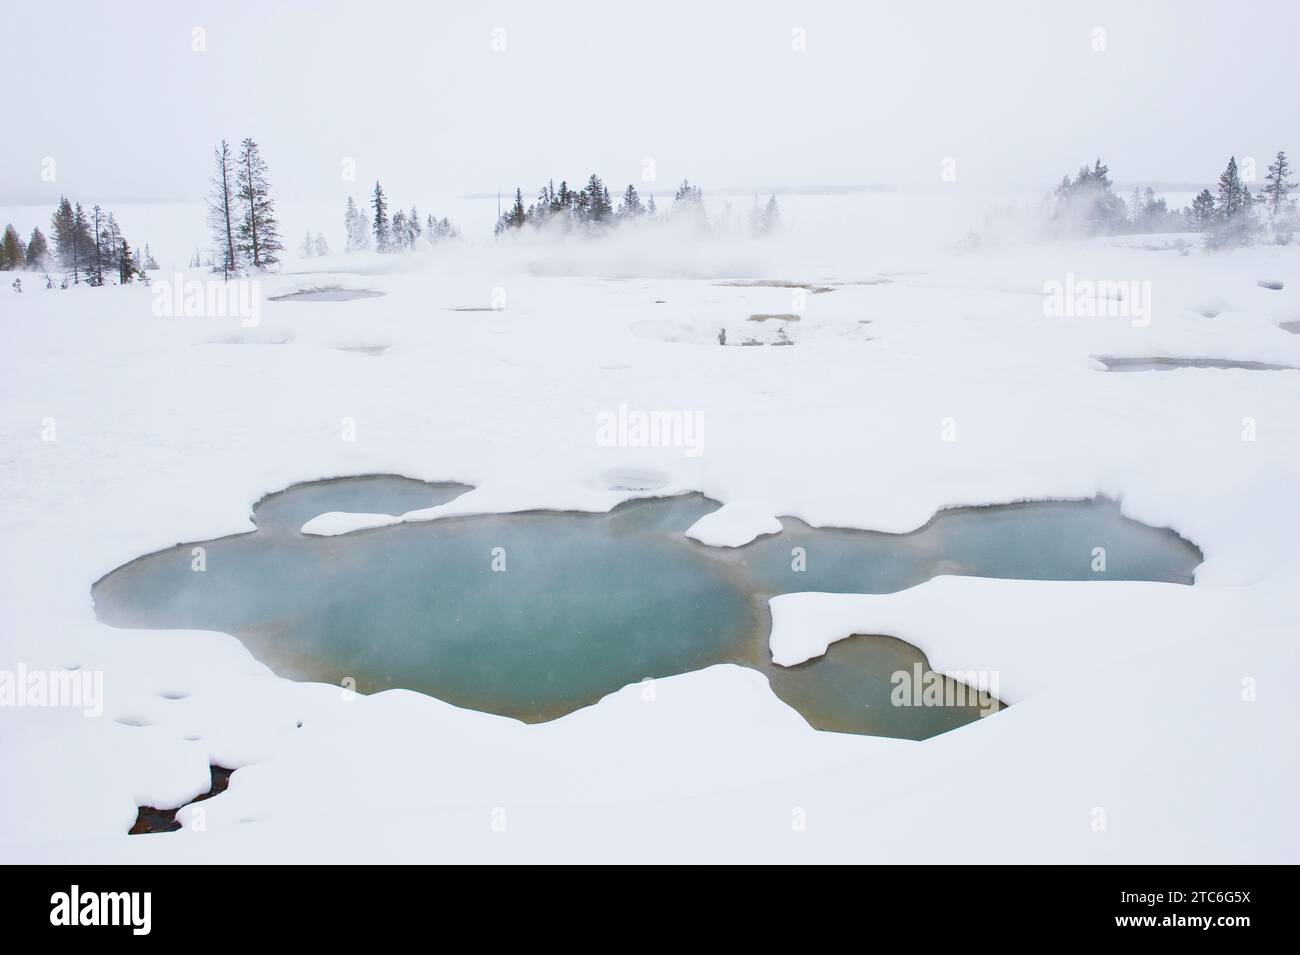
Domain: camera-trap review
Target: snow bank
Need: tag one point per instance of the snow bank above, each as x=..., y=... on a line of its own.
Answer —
x=734, y=524
x=126, y=433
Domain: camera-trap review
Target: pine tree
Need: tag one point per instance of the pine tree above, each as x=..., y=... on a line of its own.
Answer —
x=322, y=247
x=688, y=203
x=148, y=261
x=413, y=225
x=631, y=207
x=1234, y=217
x=686, y=193
x=400, y=234
x=1231, y=191
x=126, y=267
x=597, y=206
x=11, y=250
x=95, y=263
x=259, y=232
x=379, y=223
x=37, y=255
x=112, y=243
x=221, y=212
x=308, y=246
x=1277, y=185
x=1154, y=213
x=356, y=229
x=544, y=207
x=651, y=209
x=1089, y=203
x=1101, y=175
x=71, y=237
x=517, y=216
x=82, y=247
x=771, y=216
x=62, y=230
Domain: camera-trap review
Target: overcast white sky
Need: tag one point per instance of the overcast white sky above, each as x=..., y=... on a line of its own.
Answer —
x=713, y=91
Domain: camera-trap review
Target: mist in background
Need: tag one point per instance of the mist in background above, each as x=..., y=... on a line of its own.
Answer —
x=443, y=99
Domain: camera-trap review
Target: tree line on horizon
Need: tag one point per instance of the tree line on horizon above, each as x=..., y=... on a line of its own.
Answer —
x=1229, y=218
x=592, y=209
x=88, y=246
x=391, y=233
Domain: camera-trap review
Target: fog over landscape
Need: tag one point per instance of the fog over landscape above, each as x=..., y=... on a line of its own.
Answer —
x=721, y=433
x=718, y=93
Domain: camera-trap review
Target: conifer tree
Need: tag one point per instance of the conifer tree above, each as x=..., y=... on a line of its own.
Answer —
x=688, y=202
x=356, y=228
x=71, y=237
x=544, y=207
x=112, y=243
x=517, y=216
x=413, y=225
x=62, y=230
x=222, y=214
x=82, y=247
x=597, y=206
x=687, y=194
x=1234, y=216
x=126, y=266
x=1088, y=203
x=379, y=205
x=631, y=207
x=1231, y=191
x=95, y=262
x=259, y=232
x=37, y=255
x=771, y=216
x=11, y=250
x=1277, y=185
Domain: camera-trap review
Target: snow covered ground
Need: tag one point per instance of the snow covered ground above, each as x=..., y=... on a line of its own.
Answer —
x=1151, y=722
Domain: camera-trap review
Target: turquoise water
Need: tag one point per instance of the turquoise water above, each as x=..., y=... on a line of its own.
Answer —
x=534, y=615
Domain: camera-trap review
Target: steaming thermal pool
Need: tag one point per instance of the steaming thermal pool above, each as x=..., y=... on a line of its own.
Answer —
x=533, y=615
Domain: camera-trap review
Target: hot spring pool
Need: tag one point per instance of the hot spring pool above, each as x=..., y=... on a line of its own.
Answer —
x=534, y=615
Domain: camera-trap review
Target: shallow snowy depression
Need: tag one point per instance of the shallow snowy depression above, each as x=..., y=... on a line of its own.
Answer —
x=920, y=377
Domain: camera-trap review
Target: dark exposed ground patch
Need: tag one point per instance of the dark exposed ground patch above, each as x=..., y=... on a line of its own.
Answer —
x=151, y=819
